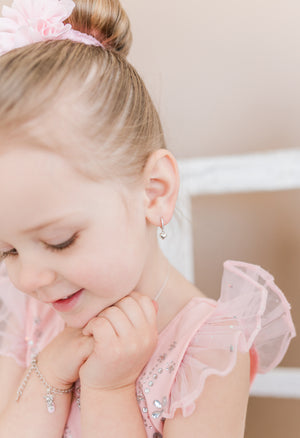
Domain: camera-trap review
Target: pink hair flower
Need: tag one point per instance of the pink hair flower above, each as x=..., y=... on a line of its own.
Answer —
x=31, y=21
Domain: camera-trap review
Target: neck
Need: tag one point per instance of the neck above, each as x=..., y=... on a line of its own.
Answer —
x=154, y=279
x=176, y=293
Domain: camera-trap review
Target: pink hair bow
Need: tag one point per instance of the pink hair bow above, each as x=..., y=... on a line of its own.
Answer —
x=31, y=21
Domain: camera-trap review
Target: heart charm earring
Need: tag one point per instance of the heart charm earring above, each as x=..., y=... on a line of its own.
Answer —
x=163, y=233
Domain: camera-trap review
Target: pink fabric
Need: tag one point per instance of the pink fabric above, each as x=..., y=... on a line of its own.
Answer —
x=203, y=339
x=32, y=21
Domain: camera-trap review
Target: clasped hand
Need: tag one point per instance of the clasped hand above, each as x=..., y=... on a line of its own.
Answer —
x=109, y=352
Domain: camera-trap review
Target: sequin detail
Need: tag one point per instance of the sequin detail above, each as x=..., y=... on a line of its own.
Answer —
x=150, y=379
x=159, y=405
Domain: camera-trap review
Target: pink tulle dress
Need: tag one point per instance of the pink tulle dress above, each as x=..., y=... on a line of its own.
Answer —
x=203, y=339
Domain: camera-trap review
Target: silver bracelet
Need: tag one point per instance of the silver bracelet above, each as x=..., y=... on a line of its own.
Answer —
x=51, y=390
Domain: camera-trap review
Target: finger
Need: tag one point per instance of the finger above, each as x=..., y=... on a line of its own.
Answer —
x=147, y=306
x=86, y=347
x=134, y=312
x=119, y=320
x=101, y=329
x=87, y=329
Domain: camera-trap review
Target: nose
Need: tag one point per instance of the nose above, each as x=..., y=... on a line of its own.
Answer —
x=32, y=275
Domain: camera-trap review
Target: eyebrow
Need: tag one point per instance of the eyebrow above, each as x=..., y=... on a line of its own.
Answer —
x=44, y=225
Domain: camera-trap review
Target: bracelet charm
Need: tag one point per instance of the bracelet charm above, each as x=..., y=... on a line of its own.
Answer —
x=51, y=390
x=50, y=401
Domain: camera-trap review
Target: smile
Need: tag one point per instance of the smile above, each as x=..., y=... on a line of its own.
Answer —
x=67, y=303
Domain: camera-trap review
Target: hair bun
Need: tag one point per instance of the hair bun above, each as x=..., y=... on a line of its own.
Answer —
x=105, y=20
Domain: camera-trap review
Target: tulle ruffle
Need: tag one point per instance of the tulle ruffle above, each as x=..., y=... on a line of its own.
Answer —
x=252, y=313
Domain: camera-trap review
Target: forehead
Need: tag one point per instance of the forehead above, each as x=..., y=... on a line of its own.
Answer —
x=37, y=185
x=31, y=171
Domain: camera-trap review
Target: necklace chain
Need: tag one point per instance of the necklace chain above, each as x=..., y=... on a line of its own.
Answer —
x=163, y=285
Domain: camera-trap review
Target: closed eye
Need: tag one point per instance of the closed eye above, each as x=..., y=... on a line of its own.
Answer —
x=60, y=247
x=4, y=254
x=64, y=245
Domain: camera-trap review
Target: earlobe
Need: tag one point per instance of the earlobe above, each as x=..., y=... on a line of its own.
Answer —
x=161, y=180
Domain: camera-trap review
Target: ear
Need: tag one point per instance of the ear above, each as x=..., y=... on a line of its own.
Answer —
x=161, y=182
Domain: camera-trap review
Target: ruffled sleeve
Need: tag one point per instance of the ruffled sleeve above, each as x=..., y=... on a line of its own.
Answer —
x=251, y=314
x=27, y=326
x=13, y=307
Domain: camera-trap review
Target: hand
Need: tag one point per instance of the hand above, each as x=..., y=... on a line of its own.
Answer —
x=60, y=361
x=125, y=336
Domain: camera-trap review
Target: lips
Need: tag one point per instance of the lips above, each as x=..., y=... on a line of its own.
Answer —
x=67, y=303
x=67, y=296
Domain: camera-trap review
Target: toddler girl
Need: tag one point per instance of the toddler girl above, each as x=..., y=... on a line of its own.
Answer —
x=99, y=335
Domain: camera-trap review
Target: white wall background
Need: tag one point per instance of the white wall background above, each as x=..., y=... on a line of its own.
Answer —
x=224, y=75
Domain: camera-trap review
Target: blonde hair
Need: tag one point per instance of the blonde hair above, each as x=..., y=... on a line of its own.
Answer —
x=85, y=102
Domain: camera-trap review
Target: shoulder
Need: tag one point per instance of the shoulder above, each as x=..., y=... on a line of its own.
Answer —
x=202, y=356
x=192, y=375
x=221, y=409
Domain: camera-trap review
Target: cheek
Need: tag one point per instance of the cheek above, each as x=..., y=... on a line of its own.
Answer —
x=116, y=270
x=112, y=256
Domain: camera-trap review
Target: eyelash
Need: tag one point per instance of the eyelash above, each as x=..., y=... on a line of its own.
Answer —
x=54, y=248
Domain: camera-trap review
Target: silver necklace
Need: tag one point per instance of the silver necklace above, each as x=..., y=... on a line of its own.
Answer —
x=164, y=284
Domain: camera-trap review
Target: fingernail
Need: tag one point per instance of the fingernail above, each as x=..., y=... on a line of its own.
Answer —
x=155, y=305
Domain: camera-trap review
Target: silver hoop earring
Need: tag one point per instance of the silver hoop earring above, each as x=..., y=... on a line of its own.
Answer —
x=163, y=233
